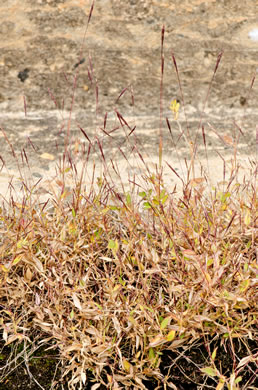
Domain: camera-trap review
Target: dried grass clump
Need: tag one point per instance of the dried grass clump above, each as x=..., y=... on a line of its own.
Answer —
x=114, y=282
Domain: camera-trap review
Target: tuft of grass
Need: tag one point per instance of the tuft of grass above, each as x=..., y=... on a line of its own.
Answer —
x=118, y=277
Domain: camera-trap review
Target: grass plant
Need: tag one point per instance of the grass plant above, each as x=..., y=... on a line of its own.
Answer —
x=136, y=286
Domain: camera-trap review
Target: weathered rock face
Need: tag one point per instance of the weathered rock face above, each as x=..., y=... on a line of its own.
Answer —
x=45, y=38
x=43, y=48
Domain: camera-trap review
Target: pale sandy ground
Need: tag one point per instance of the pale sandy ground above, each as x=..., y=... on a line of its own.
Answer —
x=131, y=171
x=44, y=179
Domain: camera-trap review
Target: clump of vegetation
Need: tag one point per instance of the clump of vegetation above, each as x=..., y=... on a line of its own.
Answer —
x=145, y=287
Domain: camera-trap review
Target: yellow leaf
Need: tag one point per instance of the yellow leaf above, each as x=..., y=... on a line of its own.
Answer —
x=220, y=385
x=8, y=312
x=65, y=194
x=207, y=276
x=235, y=335
x=174, y=107
x=127, y=365
x=214, y=353
x=21, y=206
x=210, y=262
x=171, y=335
x=4, y=268
x=131, y=319
x=17, y=259
x=72, y=228
x=244, y=285
x=21, y=243
x=247, y=218
x=141, y=266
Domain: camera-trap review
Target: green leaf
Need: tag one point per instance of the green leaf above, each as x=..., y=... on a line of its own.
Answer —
x=151, y=354
x=147, y=205
x=165, y=323
x=214, y=353
x=97, y=233
x=17, y=259
x=21, y=243
x=100, y=307
x=114, y=208
x=142, y=194
x=224, y=196
x=73, y=212
x=128, y=199
x=82, y=283
x=121, y=281
x=244, y=285
x=163, y=200
x=248, y=245
x=113, y=245
x=209, y=371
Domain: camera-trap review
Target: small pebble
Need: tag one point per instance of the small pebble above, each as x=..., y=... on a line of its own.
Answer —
x=23, y=75
x=36, y=174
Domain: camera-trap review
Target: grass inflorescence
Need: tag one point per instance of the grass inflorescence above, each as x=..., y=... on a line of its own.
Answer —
x=145, y=287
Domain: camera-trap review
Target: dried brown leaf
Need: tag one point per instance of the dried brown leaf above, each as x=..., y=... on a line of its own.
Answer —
x=76, y=302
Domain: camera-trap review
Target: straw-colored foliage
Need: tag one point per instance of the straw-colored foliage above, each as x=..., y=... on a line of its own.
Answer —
x=117, y=281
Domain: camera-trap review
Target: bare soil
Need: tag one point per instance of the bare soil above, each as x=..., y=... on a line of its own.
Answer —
x=179, y=366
